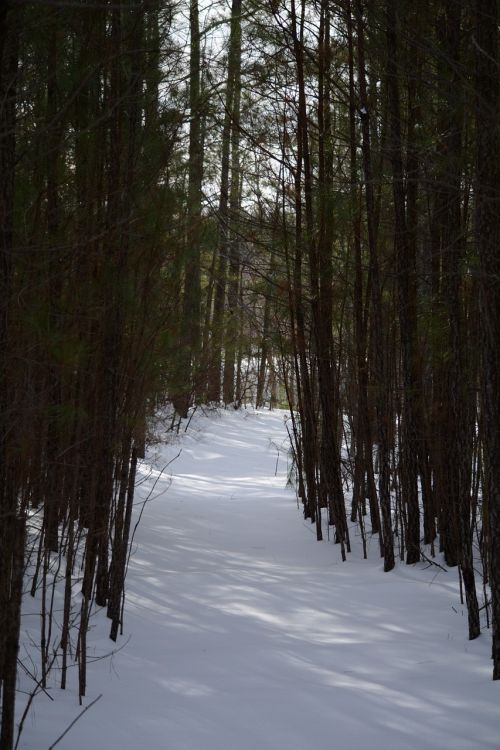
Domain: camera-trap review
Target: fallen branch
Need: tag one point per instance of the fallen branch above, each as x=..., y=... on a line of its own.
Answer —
x=74, y=721
x=432, y=562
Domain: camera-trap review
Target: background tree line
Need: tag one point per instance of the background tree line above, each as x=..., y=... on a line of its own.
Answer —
x=388, y=213
x=265, y=201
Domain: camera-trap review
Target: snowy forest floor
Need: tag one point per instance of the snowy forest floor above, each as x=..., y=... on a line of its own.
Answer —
x=242, y=632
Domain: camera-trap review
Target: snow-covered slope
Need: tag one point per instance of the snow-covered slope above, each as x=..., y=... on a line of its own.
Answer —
x=244, y=633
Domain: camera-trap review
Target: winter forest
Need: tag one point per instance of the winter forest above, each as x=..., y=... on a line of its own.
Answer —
x=249, y=302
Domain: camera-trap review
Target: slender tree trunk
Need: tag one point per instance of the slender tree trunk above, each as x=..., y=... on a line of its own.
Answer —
x=487, y=231
x=407, y=298
x=381, y=375
x=190, y=344
x=364, y=483
x=322, y=289
x=233, y=312
x=303, y=198
x=12, y=525
x=230, y=122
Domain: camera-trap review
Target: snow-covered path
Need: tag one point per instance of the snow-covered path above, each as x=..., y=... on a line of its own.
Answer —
x=247, y=634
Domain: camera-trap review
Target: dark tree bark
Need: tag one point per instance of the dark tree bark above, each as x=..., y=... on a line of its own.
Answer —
x=190, y=339
x=320, y=254
x=231, y=118
x=233, y=314
x=364, y=479
x=303, y=205
x=407, y=299
x=12, y=521
x=487, y=231
x=381, y=374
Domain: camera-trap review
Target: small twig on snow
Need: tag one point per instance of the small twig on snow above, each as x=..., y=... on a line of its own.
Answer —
x=432, y=562
x=74, y=721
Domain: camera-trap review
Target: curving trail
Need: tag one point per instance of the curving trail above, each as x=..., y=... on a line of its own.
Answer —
x=246, y=634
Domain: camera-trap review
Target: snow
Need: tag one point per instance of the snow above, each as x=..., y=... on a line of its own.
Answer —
x=244, y=633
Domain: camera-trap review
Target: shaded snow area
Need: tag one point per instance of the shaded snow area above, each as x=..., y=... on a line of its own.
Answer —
x=244, y=633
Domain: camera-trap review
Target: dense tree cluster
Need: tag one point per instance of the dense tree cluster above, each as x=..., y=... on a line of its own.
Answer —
x=274, y=201
x=392, y=313
x=85, y=214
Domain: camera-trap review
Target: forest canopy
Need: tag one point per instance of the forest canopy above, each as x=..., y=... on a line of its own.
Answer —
x=288, y=203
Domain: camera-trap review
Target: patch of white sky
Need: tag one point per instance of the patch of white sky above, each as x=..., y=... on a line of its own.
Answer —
x=214, y=23
x=269, y=92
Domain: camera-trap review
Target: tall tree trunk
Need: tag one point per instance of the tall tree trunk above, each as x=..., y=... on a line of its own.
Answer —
x=407, y=299
x=190, y=344
x=381, y=374
x=233, y=313
x=230, y=122
x=303, y=204
x=487, y=231
x=364, y=479
x=12, y=526
x=322, y=294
